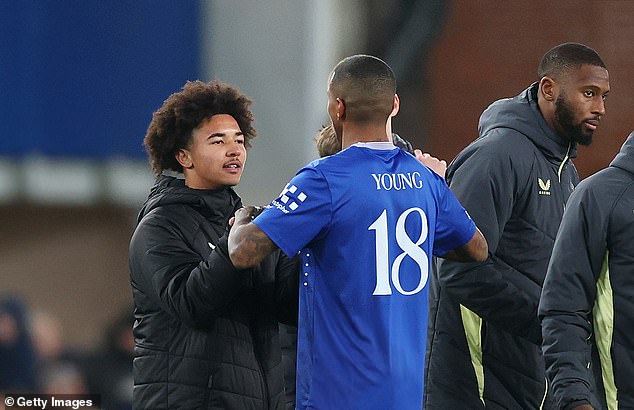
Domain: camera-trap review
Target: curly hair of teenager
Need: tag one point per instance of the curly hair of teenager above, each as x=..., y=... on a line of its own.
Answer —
x=182, y=112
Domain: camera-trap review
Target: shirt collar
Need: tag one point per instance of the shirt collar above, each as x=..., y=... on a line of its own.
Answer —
x=382, y=145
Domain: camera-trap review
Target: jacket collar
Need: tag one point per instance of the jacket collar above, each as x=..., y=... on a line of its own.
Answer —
x=554, y=146
x=217, y=205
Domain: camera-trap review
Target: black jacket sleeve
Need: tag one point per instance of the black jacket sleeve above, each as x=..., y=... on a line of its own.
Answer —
x=166, y=268
x=485, y=180
x=569, y=293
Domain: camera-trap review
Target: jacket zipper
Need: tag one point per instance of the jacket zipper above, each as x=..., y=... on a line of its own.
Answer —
x=561, y=167
x=208, y=391
x=541, y=406
x=263, y=382
x=258, y=359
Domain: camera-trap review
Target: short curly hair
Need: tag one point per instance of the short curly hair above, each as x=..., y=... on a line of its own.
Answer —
x=172, y=125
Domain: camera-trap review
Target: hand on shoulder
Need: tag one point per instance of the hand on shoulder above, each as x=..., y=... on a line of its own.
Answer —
x=431, y=162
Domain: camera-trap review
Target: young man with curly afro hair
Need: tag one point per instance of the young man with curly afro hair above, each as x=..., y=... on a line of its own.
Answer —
x=206, y=334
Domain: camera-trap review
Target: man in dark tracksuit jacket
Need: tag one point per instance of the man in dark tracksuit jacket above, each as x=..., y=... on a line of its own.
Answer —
x=484, y=344
x=586, y=304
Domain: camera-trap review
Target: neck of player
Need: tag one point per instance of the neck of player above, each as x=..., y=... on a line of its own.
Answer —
x=355, y=132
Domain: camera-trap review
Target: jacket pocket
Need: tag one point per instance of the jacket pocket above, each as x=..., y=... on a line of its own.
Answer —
x=149, y=366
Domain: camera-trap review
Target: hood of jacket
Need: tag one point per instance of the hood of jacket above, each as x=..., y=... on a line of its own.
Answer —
x=625, y=158
x=217, y=205
x=521, y=113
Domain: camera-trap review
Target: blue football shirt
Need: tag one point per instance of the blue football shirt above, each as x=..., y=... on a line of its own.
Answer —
x=367, y=221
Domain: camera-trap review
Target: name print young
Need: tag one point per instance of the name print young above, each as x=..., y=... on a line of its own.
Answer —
x=387, y=182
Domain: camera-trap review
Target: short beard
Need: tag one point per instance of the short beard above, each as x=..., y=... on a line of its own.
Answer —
x=565, y=119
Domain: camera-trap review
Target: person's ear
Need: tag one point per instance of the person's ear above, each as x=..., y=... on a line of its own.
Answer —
x=341, y=109
x=396, y=105
x=548, y=88
x=184, y=158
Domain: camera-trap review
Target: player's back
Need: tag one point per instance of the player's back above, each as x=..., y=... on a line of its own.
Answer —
x=365, y=222
x=370, y=268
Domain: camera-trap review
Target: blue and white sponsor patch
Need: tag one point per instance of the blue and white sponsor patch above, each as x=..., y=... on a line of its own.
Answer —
x=289, y=199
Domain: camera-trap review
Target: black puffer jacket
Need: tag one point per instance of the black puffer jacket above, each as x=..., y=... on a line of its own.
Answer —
x=587, y=304
x=485, y=336
x=206, y=334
